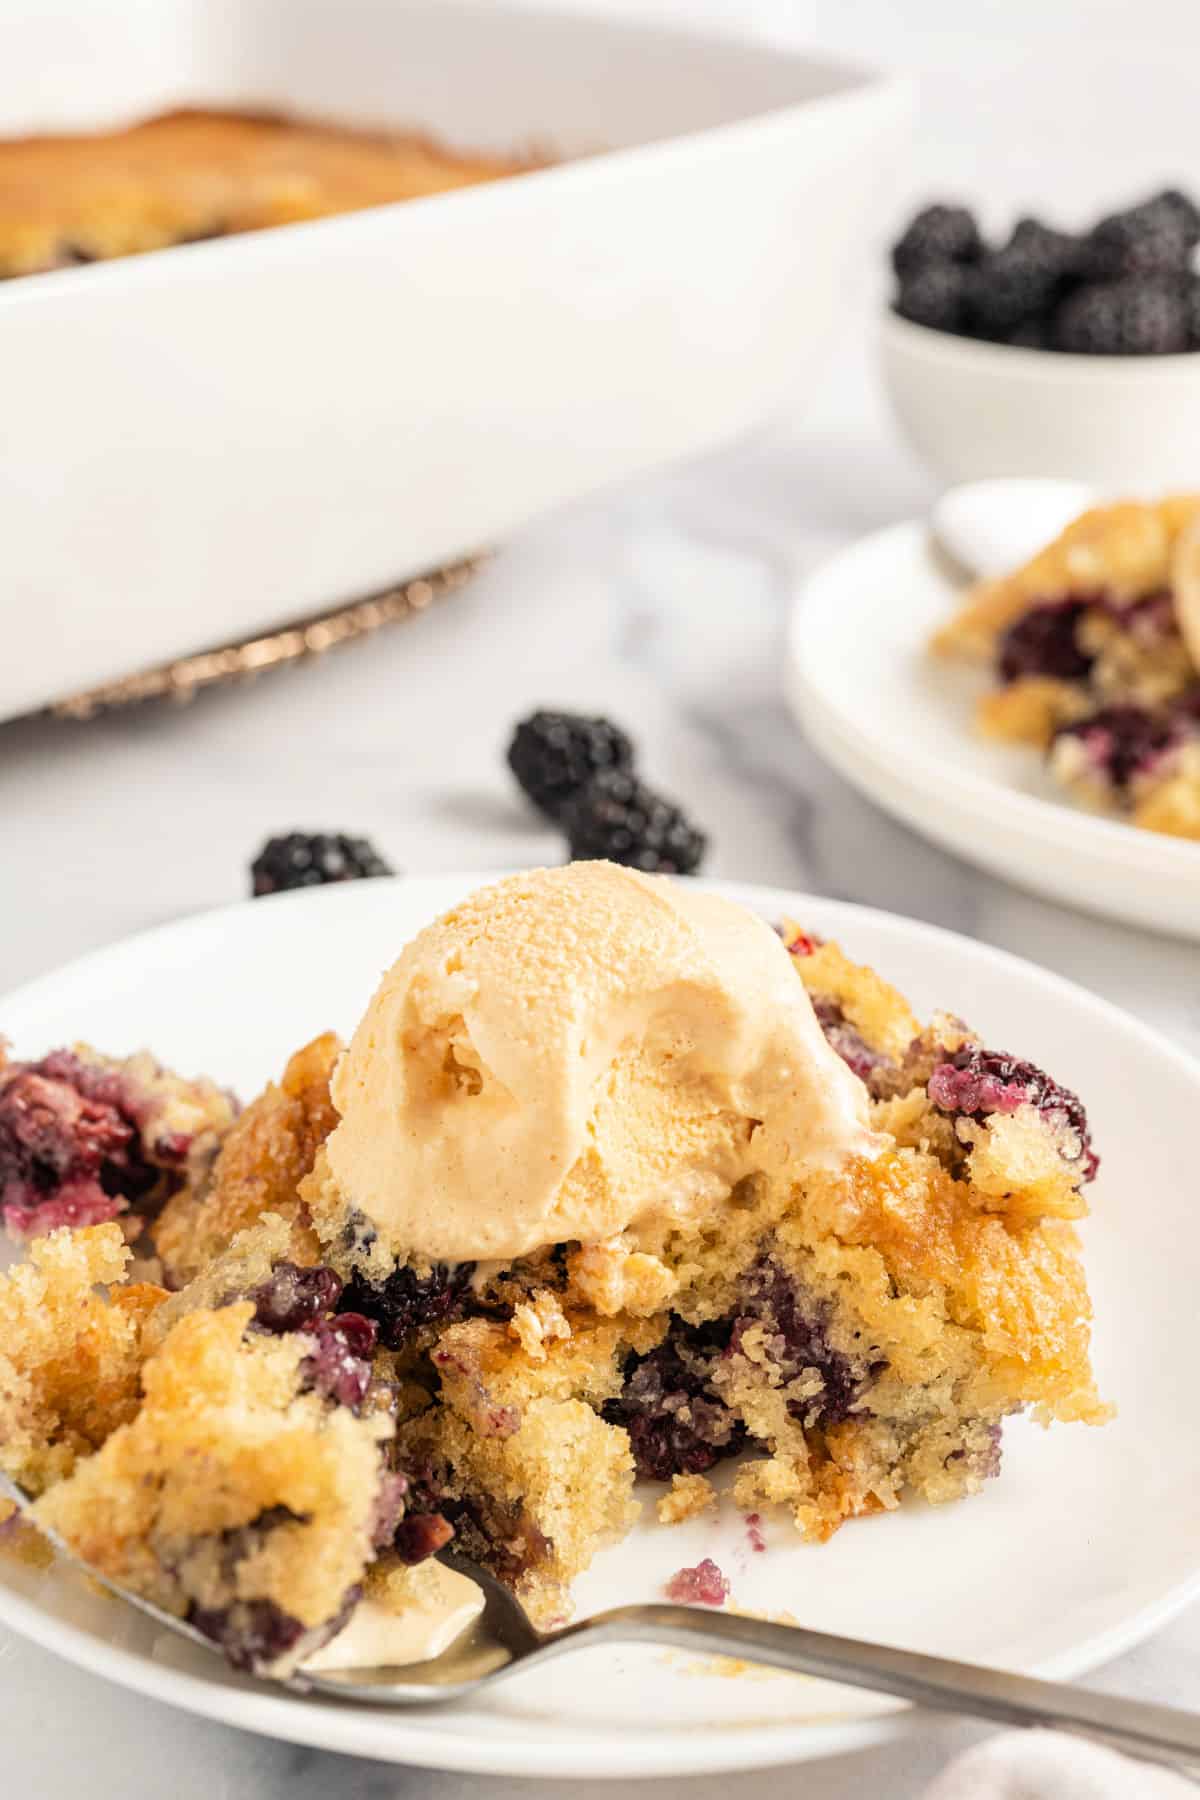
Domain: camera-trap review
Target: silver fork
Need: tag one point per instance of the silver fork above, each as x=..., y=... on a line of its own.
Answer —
x=502, y=1640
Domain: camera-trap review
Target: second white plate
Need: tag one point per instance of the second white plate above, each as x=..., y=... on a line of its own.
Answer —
x=900, y=727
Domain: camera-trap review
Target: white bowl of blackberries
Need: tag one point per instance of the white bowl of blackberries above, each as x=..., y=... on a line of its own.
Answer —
x=1050, y=352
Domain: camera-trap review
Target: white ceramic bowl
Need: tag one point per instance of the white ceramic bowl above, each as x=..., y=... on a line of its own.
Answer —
x=973, y=410
x=213, y=439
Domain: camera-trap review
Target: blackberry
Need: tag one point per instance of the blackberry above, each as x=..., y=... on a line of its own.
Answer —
x=1044, y=641
x=554, y=754
x=938, y=234
x=850, y=1044
x=1191, y=301
x=292, y=1298
x=976, y=1082
x=1135, y=317
x=1021, y=281
x=252, y=1633
x=1154, y=238
x=1123, y=741
x=677, y=1423
x=71, y=1151
x=616, y=817
x=406, y=1300
x=797, y=1329
x=301, y=859
x=421, y=1535
x=1184, y=208
x=1058, y=252
x=934, y=296
x=339, y=1366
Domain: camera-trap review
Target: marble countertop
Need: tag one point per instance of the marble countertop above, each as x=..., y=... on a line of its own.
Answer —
x=663, y=605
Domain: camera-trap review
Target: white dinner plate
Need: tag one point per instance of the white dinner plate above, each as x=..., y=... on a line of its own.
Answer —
x=1085, y=1544
x=900, y=725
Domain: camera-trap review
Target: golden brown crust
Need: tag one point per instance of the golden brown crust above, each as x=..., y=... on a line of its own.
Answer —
x=69, y=1361
x=266, y=1155
x=195, y=174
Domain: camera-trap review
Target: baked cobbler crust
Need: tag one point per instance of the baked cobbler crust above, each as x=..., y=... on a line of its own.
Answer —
x=189, y=175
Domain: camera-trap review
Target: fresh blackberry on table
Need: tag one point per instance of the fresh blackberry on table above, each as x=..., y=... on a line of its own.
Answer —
x=935, y=296
x=618, y=818
x=303, y=859
x=1136, y=317
x=554, y=754
x=1156, y=237
x=938, y=234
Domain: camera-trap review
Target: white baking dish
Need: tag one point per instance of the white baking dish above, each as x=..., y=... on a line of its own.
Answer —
x=205, y=441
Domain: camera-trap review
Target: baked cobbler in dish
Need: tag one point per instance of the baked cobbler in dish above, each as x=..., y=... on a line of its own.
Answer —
x=1095, y=647
x=614, y=1181
x=184, y=176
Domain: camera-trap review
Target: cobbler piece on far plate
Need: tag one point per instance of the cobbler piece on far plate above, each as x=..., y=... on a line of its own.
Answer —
x=85, y=1137
x=1095, y=663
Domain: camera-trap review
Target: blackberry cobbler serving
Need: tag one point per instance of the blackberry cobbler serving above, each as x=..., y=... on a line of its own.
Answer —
x=614, y=1183
x=1095, y=650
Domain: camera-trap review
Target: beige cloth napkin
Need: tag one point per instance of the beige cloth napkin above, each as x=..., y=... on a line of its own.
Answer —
x=1042, y=1765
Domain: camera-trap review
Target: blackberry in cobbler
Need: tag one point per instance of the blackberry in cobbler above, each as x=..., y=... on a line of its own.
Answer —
x=975, y=1083
x=297, y=1299
x=849, y=1043
x=677, y=1422
x=1122, y=742
x=84, y=1138
x=1045, y=641
x=406, y=1300
x=301, y=859
x=797, y=1326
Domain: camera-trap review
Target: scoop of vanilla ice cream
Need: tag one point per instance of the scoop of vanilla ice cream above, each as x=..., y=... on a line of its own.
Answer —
x=579, y=1052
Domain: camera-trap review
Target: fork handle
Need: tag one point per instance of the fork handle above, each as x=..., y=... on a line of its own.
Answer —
x=1160, y=1734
